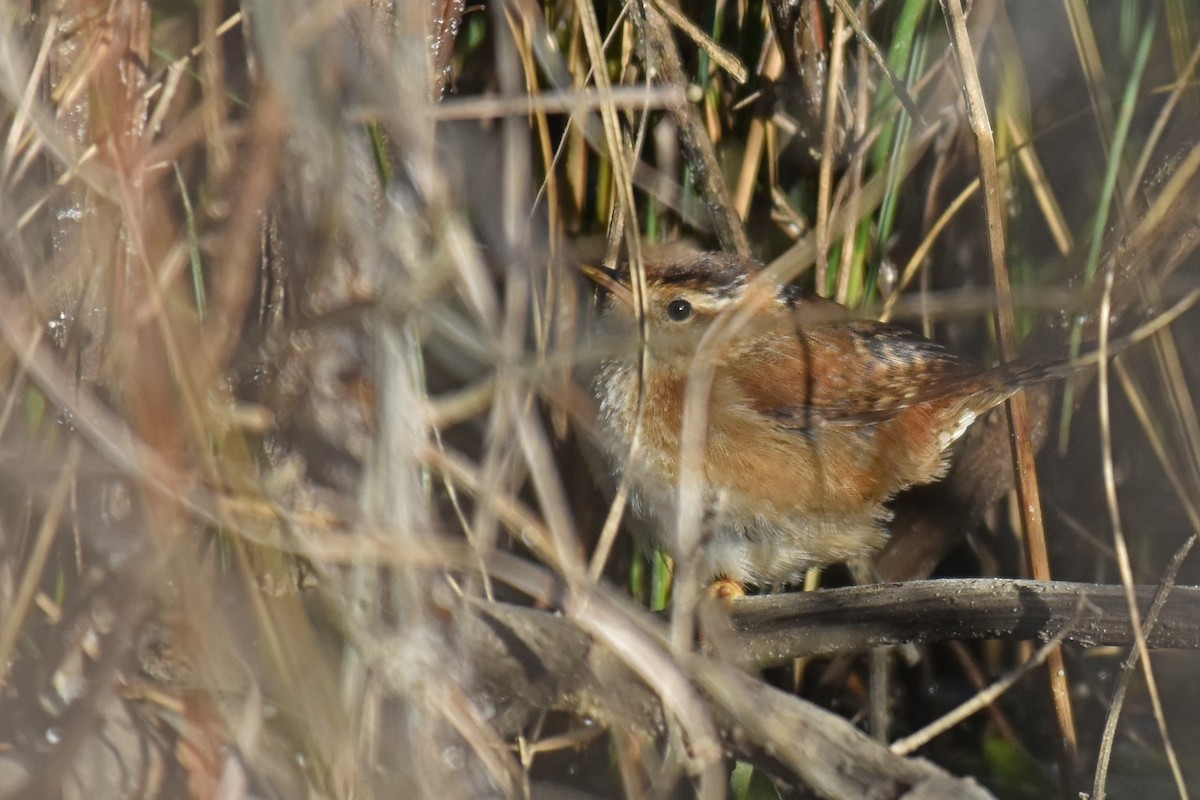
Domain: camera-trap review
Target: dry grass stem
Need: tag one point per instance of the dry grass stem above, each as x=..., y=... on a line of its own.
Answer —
x=307, y=488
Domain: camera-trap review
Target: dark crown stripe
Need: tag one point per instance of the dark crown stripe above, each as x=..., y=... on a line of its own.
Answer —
x=721, y=276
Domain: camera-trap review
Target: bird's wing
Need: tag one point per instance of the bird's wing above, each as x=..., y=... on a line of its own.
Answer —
x=848, y=373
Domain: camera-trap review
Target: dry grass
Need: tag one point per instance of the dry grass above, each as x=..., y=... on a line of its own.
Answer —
x=293, y=495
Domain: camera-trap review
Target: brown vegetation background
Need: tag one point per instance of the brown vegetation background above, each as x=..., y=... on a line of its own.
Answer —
x=294, y=415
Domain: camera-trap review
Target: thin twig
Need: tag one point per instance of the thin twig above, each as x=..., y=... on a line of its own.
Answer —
x=722, y=57
x=1123, y=562
x=894, y=80
x=985, y=698
x=833, y=87
x=1018, y=406
x=31, y=578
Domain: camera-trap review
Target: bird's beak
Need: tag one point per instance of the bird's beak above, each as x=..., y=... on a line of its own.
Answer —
x=610, y=280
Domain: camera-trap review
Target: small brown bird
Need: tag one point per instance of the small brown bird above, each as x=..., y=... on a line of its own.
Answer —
x=814, y=419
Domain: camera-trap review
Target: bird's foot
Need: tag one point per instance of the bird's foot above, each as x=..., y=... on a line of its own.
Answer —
x=726, y=589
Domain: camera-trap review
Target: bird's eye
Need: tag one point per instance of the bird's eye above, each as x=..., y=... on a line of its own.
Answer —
x=679, y=310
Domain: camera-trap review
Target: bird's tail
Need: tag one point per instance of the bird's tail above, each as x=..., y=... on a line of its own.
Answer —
x=1007, y=379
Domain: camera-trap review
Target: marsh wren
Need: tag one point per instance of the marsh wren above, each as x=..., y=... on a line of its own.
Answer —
x=814, y=419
